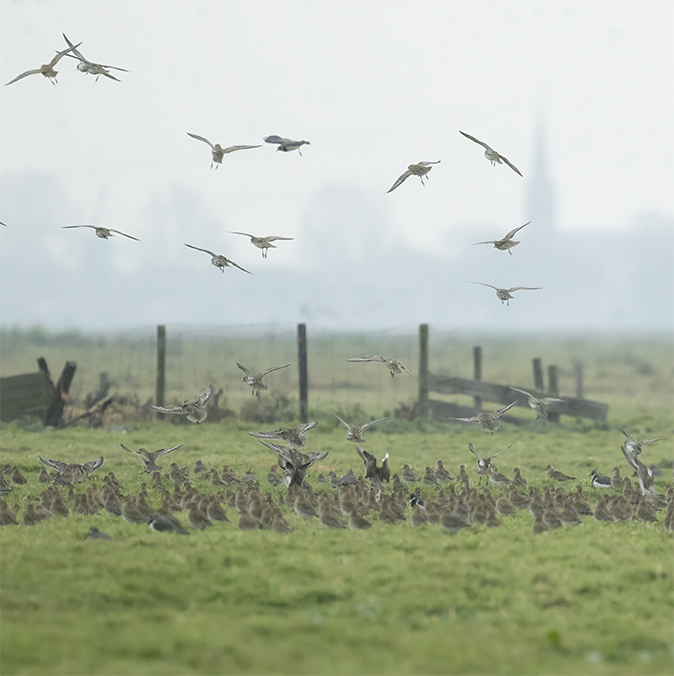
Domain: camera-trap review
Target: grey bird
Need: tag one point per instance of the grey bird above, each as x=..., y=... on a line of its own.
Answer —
x=420, y=169
x=295, y=437
x=538, y=405
x=558, y=476
x=95, y=534
x=46, y=69
x=165, y=523
x=505, y=295
x=371, y=470
x=256, y=380
x=73, y=472
x=599, y=480
x=353, y=432
x=149, y=458
x=86, y=66
x=491, y=154
x=488, y=420
x=194, y=411
x=102, y=233
x=393, y=365
x=644, y=475
x=634, y=447
x=507, y=242
x=294, y=463
x=264, y=243
x=217, y=151
x=218, y=260
x=285, y=145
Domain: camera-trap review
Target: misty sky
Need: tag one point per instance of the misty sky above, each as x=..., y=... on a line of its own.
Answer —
x=374, y=86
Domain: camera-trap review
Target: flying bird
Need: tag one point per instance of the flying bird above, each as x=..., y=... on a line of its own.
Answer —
x=393, y=365
x=86, y=66
x=353, y=432
x=488, y=420
x=149, y=458
x=295, y=437
x=46, y=69
x=633, y=446
x=294, y=463
x=538, y=405
x=491, y=154
x=285, y=145
x=382, y=473
x=421, y=169
x=194, y=411
x=504, y=295
x=218, y=260
x=263, y=243
x=218, y=151
x=484, y=464
x=507, y=242
x=103, y=233
x=255, y=380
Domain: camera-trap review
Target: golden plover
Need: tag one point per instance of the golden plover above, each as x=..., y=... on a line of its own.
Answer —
x=46, y=69
x=507, y=242
x=393, y=365
x=218, y=260
x=491, y=154
x=264, y=243
x=504, y=295
x=218, y=152
x=103, y=233
x=420, y=169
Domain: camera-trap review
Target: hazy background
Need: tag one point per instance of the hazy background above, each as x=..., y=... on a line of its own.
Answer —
x=578, y=95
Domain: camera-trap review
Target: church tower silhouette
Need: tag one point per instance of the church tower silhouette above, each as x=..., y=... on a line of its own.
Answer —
x=540, y=192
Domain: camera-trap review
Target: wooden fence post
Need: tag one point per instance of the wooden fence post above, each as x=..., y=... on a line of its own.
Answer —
x=422, y=404
x=477, y=373
x=161, y=368
x=553, y=389
x=578, y=369
x=304, y=379
x=538, y=374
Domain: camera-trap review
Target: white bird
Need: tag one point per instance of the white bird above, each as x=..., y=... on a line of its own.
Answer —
x=46, y=69
x=491, y=154
x=86, y=66
x=263, y=243
x=285, y=145
x=507, y=242
x=218, y=260
x=393, y=365
x=218, y=151
x=504, y=295
x=420, y=169
x=103, y=233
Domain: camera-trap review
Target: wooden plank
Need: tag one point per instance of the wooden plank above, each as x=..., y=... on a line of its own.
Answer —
x=24, y=394
x=303, y=372
x=161, y=368
x=538, y=373
x=503, y=395
x=477, y=372
x=53, y=413
x=553, y=391
x=423, y=369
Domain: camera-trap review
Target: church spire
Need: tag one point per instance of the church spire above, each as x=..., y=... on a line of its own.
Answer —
x=540, y=193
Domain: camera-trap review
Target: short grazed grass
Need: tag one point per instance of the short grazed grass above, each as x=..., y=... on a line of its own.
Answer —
x=595, y=599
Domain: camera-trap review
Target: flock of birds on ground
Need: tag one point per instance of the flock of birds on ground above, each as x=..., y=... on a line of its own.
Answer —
x=436, y=497
x=420, y=169
x=457, y=503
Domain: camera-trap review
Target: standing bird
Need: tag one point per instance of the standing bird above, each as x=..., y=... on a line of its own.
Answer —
x=488, y=420
x=149, y=458
x=263, y=243
x=538, y=405
x=505, y=295
x=103, y=233
x=219, y=261
x=441, y=474
x=194, y=411
x=599, y=480
x=393, y=365
x=353, y=432
x=165, y=523
x=382, y=473
x=218, y=152
x=285, y=145
x=295, y=437
x=95, y=534
x=46, y=69
x=421, y=169
x=494, y=157
x=256, y=380
x=86, y=66
x=558, y=476
x=507, y=242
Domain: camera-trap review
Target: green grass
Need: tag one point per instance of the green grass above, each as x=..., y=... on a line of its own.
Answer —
x=595, y=599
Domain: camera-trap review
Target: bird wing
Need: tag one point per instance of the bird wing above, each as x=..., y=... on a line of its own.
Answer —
x=525, y=288
x=244, y=270
x=164, y=451
x=274, y=139
x=167, y=409
x=112, y=77
x=91, y=466
x=79, y=226
x=130, y=451
x=205, y=396
x=472, y=138
x=232, y=149
x=274, y=368
x=201, y=138
x=489, y=285
x=204, y=250
x=368, y=425
x=282, y=451
x=514, y=230
x=273, y=238
x=305, y=427
x=250, y=374
x=499, y=453
x=470, y=446
x=369, y=357
x=473, y=419
x=124, y=234
x=499, y=412
x=58, y=56
x=404, y=368
x=76, y=54
x=491, y=241
x=247, y=234
x=58, y=465
x=310, y=458
x=511, y=165
x=522, y=391
x=26, y=74
x=401, y=179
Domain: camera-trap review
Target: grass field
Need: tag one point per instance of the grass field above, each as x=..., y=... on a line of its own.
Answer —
x=594, y=599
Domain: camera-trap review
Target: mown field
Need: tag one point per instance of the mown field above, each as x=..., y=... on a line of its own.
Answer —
x=591, y=599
